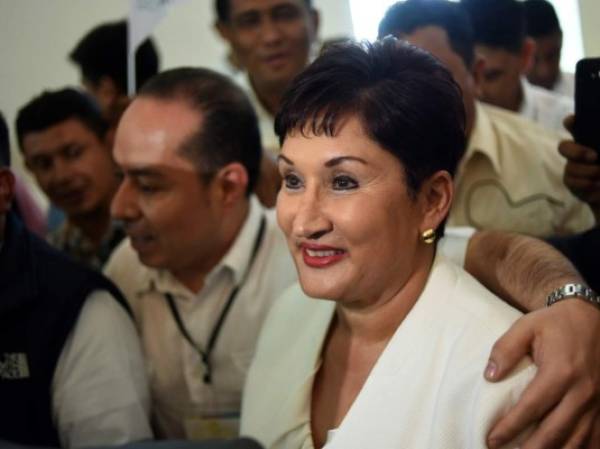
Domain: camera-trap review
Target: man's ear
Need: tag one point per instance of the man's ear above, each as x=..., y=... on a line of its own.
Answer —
x=436, y=195
x=224, y=30
x=527, y=55
x=231, y=182
x=107, y=94
x=7, y=190
x=315, y=20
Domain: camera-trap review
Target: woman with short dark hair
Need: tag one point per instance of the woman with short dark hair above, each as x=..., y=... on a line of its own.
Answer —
x=371, y=137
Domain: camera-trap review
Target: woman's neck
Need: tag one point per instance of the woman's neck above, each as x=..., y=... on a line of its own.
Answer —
x=378, y=319
x=356, y=338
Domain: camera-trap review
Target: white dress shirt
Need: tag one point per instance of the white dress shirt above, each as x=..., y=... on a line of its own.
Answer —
x=545, y=107
x=99, y=389
x=426, y=389
x=183, y=403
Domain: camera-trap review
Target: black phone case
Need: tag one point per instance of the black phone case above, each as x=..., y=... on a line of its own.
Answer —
x=586, y=129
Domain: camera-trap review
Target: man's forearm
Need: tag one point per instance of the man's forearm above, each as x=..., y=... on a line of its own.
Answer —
x=521, y=270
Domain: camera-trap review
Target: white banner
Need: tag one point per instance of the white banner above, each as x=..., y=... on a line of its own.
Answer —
x=144, y=16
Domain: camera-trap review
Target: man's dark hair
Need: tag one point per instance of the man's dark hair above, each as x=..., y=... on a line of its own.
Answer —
x=406, y=17
x=540, y=18
x=103, y=52
x=498, y=24
x=4, y=143
x=405, y=99
x=222, y=8
x=228, y=131
x=54, y=107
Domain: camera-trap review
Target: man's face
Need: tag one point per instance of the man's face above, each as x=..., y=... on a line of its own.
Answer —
x=171, y=214
x=500, y=80
x=435, y=40
x=72, y=166
x=271, y=39
x=545, y=69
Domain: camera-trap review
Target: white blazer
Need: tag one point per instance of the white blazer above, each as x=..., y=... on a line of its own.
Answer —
x=426, y=390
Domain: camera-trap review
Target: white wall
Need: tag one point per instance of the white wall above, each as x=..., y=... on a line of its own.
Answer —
x=590, y=26
x=37, y=35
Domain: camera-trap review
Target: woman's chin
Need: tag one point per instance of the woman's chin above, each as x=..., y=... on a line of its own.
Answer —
x=320, y=290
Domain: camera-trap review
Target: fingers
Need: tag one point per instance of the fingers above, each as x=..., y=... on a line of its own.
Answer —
x=509, y=349
x=582, y=186
x=575, y=152
x=593, y=441
x=568, y=122
x=537, y=399
x=582, y=172
x=562, y=430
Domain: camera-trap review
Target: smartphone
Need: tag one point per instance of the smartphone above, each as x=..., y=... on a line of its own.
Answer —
x=586, y=129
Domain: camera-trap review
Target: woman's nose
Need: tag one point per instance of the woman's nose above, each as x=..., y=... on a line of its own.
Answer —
x=310, y=220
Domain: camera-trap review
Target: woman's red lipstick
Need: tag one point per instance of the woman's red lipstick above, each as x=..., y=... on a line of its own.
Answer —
x=321, y=256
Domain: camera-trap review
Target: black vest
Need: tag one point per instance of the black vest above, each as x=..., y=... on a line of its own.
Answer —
x=41, y=295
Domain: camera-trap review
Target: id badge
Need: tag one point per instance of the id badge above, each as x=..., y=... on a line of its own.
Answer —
x=213, y=427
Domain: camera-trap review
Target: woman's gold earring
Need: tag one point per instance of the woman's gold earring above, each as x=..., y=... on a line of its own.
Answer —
x=428, y=236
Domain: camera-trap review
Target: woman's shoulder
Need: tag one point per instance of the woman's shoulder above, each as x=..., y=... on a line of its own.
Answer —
x=466, y=299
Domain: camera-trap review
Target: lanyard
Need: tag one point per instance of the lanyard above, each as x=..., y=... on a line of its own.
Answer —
x=205, y=354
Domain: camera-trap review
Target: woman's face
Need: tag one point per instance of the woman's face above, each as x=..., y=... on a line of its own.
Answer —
x=352, y=229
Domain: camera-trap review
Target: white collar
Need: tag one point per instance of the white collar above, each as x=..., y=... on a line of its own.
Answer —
x=236, y=259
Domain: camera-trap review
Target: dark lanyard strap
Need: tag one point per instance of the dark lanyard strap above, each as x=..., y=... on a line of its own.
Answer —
x=205, y=355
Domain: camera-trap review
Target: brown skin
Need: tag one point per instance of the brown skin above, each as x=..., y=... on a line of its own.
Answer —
x=499, y=81
x=74, y=168
x=563, y=341
x=565, y=401
x=271, y=40
x=545, y=69
x=582, y=171
x=347, y=193
x=176, y=219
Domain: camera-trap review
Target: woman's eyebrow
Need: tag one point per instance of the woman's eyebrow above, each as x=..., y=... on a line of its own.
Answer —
x=338, y=160
x=281, y=157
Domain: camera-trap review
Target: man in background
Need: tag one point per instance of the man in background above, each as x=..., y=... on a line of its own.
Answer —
x=71, y=369
x=510, y=177
x=507, y=53
x=272, y=41
x=63, y=137
x=101, y=56
x=544, y=28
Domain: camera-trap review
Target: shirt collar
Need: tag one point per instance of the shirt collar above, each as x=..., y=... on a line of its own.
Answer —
x=483, y=139
x=239, y=255
x=236, y=260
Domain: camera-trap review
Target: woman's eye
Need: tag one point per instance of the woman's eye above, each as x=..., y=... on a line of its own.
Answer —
x=344, y=183
x=291, y=182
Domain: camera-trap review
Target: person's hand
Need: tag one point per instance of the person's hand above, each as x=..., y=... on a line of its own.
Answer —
x=582, y=171
x=564, y=397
